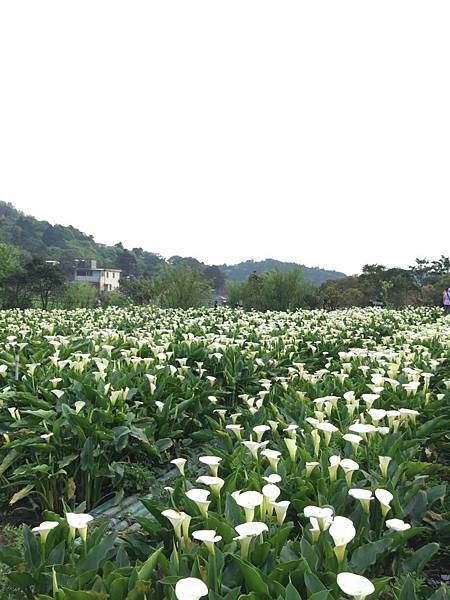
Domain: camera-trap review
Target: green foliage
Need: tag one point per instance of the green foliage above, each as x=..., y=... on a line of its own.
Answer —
x=78, y=295
x=105, y=399
x=273, y=290
x=180, y=286
x=9, y=261
x=242, y=271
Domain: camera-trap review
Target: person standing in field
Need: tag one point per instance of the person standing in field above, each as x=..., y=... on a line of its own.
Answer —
x=446, y=300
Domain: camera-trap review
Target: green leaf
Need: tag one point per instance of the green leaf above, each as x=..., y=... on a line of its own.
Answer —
x=9, y=556
x=96, y=556
x=442, y=593
x=76, y=595
x=146, y=570
x=118, y=589
x=21, y=493
x=8, y=461
x=87, y=455
x=253, y=577
x=368, y=554
x=32, y=554
x=407, y=592
x=418, y=506
x=313, y=583
x=309, y=554
x=291, y=593
x=323, y=595
x=420, y=558
x=163, y=444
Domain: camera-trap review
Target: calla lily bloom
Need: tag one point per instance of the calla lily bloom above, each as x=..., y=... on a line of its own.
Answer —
x=315, y=529
x=354, y=440
x=310, y=466
x=208, y=536
x=270, y=493
x=280, y=510
x=190, y=588
x=328, y=429
x=316, y=441
x=214, y=483
x=254, y=447
x=356, y=586
x=248, y=501
x=260, y=430
x=291, y=445
x=246, y=532
x=200, y=497
x=272, y=478
x=291, y=430
x=342, y=531
x=384, y=464
x=44, y=529
x=177, y=519
x=332, y=469
x=348, y=466
x=79, y=521
x=236, y=429
x=179, y=463
x=384, y=498
x=364, y=496
x=273, y=456
x=397, y=525
x=212, y=462
x=324, y=516
x=376, y=414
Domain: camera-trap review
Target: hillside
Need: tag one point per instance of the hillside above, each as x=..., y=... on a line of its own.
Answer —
x=242, y=270
x=65, y=244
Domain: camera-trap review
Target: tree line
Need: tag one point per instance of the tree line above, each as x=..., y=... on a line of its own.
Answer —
x=29, y=281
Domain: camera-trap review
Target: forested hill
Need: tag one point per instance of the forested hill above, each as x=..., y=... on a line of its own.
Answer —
x=65, y=244
x=242, y=270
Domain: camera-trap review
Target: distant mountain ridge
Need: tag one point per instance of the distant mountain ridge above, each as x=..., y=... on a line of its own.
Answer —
x=66, y=244
x=241, y=271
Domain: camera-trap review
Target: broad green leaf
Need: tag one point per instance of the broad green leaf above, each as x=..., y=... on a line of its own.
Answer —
x=22, y=493
x=407, y=592
x=420, y=558
x=253, y=577
x=291, y=593
x=368, y=554
x=8, y=461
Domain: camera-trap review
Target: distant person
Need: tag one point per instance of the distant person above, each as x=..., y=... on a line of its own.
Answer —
x=446, y=300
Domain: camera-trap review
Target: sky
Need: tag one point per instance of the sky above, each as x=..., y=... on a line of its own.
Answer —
x=309, y=131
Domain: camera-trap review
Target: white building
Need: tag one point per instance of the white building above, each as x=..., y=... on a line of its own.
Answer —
x=105, y=280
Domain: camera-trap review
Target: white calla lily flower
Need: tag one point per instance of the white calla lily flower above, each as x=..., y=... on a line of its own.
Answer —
x=356, y=586
x=79, y=521
x=397, y=525
x=200, y=497
x=364, y=496
x=208, y=536
x=44, y=529
x=190, y=588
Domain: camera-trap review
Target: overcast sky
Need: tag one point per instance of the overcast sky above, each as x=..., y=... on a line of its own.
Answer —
x=312, y=131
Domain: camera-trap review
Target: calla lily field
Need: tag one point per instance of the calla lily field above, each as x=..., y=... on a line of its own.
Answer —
x=290, y=455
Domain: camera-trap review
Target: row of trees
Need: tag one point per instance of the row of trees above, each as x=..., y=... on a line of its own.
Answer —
x=31, y=281
x=421, y=284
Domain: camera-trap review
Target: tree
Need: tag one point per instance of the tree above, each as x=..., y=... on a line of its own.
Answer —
x=44, y=279
x=179, y=286
x=216, y=276
x=274, y=290
x=9, y=261
x=78, y=295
